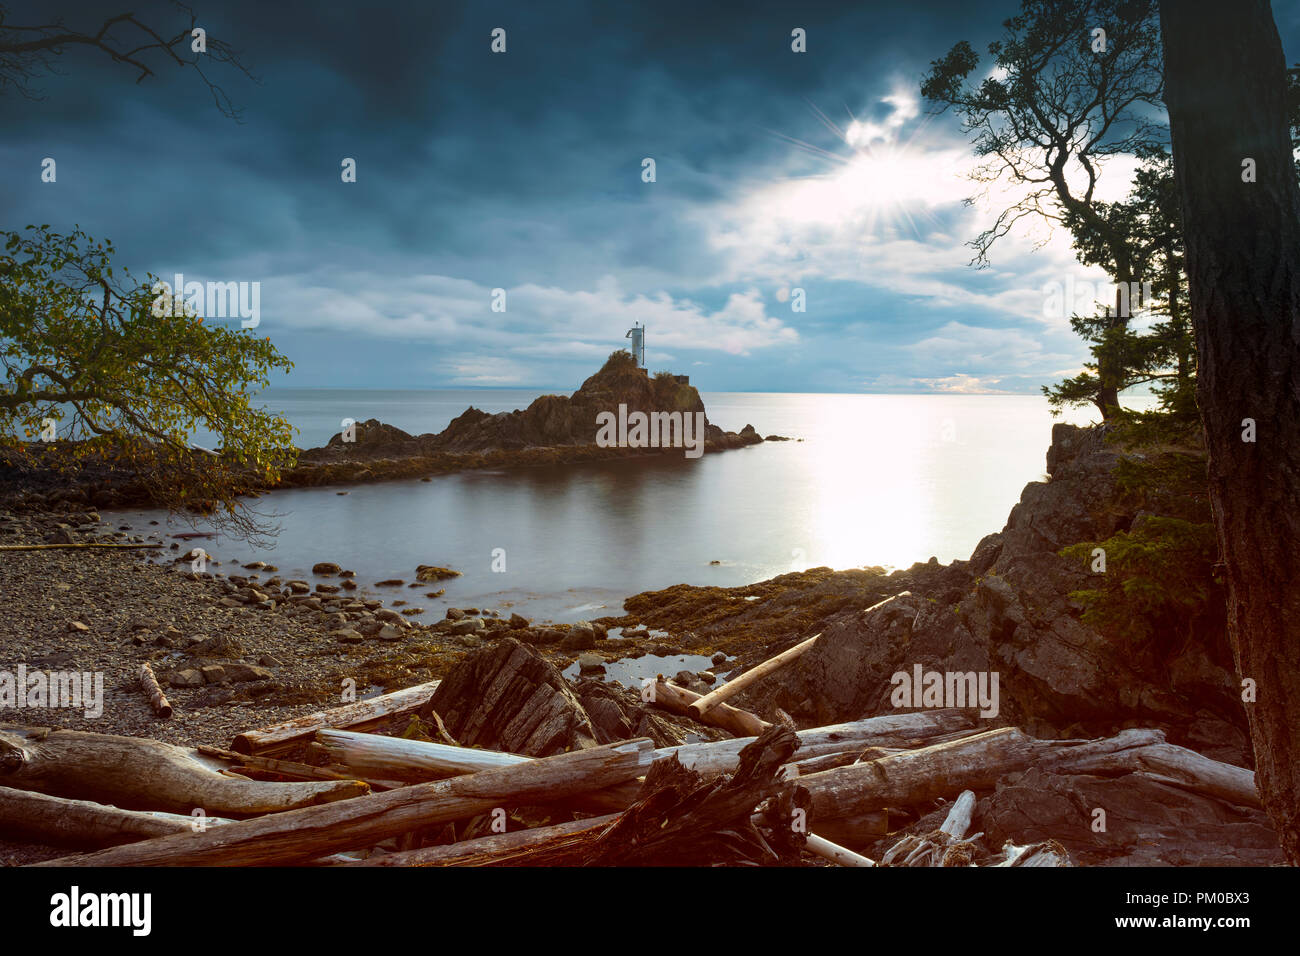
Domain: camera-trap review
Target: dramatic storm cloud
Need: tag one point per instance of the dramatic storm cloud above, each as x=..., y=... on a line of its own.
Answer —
x=775, y=172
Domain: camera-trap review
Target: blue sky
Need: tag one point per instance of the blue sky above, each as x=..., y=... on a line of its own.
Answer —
x=523, y=171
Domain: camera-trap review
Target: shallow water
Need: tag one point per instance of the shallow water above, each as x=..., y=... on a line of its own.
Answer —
x=877, y=480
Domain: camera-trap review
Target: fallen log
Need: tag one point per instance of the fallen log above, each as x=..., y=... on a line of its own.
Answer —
x=501, y=848
x=285, y=768
x=681, y=819
x=279, y=738
x=976, y=762
x=41, y=818
x=157, y=699
x=1180, y=767
x=734, y=686
x=297, y=836
x=677, y=818
x=137, y=773
x=678, y=700
x=371, y=755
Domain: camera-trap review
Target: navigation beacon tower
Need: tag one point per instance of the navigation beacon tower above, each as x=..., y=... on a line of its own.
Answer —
x=637, y=335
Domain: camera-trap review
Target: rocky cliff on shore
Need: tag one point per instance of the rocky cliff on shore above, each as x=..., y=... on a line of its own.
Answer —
x=1008, y=608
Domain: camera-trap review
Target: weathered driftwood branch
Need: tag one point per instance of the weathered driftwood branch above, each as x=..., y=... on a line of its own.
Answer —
x=836, y=853
x=41, y=818
x=946, y=846
x=157, y=699
x=301, y=835
x=358, y=715
x=734, y=686
x=1180, y=767
x=285, y=768
x=957, y=822
x=678, y=700
x=976, y=762
x=138, y=773
x=372, y=755
x=683, y=819
x=1047, y=853
x=503, y=848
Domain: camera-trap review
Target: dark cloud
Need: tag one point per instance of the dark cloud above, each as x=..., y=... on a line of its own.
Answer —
x=487, y=171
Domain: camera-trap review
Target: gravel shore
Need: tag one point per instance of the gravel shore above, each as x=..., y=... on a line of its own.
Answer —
x=108, y=611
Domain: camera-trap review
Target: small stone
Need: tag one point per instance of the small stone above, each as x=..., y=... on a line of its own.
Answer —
x=239, y=673
x=347, y=635
x=213, y=673
x=581, y=637
x=518, y=621
x=431, y=572
x=390, y=583
x=325, y=567
x=77, y=627
x=188, y=677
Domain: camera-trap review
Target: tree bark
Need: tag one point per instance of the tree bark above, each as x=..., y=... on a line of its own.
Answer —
x=1225, y=87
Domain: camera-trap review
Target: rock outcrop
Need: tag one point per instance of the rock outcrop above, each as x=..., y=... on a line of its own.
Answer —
x=551, y=421
x=1008, y=610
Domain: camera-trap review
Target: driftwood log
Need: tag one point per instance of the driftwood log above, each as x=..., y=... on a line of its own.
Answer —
x=678, y=819
x=930, y=773
x=734, y=686
x=403, y=759
x=502, y=849
x=137, y=773
x=1176, y=766
x=678, y=700
x=157, y=699
x=282, y=737
x=59, y=821
x=297, y=836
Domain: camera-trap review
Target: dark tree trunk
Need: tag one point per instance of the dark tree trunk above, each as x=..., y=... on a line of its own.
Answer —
x=1225, y=87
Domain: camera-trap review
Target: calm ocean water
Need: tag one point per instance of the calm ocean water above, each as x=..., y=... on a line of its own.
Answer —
x=877, y=480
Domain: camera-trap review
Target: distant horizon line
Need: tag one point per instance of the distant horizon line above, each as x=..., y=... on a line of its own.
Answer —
x=563, y=388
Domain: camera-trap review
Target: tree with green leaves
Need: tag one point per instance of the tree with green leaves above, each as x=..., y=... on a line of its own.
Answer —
x=1072, y=84
x=1163, y=355
x=87, y=357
